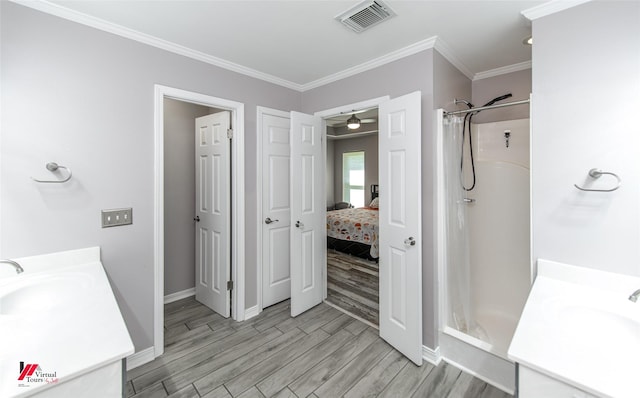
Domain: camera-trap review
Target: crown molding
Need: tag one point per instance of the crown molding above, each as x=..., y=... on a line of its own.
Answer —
x=97, y=23
x=430, y=43
x=551, y=7
x=446, y=51
x=502, y=70
x=374, y=63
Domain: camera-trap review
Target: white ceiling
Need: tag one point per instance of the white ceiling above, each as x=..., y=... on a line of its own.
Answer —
x=299, y=42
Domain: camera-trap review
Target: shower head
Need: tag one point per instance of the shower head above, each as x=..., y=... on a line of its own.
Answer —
x=460, y=101
x=496, y=99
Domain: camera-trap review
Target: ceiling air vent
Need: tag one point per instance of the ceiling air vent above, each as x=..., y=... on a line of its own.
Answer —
x=365, y=15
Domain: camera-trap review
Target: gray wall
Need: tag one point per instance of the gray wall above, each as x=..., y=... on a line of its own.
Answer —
x=484, y=90
x=586, y=96
x=180, y=193
x=368, y=144
x=330, y=167
x=94, y=95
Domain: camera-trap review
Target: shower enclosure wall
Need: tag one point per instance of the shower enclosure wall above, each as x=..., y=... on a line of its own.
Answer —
x=483, y=250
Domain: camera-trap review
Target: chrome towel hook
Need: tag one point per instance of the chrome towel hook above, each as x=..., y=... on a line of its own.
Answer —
x=595, y=173
x=53, y=166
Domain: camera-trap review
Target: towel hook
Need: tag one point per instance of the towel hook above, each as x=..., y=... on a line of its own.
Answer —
x=53, y=166
x=596, y=173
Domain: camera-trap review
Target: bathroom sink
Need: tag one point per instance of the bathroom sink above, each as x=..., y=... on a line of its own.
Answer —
x=61, y=314
x=619, y=330
x=43, y=294
x=601, y=321
x=579, y=327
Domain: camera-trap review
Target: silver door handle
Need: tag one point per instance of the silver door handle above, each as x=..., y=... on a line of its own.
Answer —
x=196, y=219
x=299, y=224
x=410, y=241
x=269, y=220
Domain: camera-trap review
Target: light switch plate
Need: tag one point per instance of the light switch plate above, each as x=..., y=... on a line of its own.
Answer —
x=117, y=217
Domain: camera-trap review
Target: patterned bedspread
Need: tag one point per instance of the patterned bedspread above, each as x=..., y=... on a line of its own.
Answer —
x=356, y=225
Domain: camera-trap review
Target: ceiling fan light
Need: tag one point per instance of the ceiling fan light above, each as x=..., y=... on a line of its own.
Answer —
x=353, y=122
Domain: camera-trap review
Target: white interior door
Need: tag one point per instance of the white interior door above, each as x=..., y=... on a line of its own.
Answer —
x=308, y=212
x=213, y=210
x=276, y=209
x=400, y=230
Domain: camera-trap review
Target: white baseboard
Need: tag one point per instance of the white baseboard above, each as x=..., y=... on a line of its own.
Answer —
x=140, y=358
x=431, y=356
x=487, y=380
x=170, y=298
x=251, y=312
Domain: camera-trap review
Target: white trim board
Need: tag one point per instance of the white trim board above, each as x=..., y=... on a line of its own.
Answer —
x=502, y=71
x=432, y=356
x=431, y=42
x=237, y=192
x=251, y=312
x=110, y=27
x=170, y=298
x=550, y=7
x=140, y=358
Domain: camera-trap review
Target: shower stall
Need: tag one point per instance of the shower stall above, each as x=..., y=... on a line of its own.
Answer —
x=483, y=241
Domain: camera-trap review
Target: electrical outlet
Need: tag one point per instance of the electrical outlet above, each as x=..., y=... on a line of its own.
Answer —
x=117, y=217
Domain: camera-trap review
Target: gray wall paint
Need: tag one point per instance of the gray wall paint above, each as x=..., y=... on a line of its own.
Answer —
x=368, y=144
x=330, y=167
x=484, y=90
x=94, y=92
x=180, y=193
x=585, y=106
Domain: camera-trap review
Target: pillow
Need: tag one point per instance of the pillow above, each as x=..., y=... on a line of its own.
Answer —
x=374, y=203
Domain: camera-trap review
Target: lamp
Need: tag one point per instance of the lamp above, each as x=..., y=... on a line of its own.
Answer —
x=353, y=122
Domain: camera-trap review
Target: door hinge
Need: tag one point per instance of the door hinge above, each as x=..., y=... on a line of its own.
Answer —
x=230, y=134
x=229, y=285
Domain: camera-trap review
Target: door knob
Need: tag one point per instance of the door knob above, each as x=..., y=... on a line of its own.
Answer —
x=410, y=241
x=299, y=224
x=196, y=219
x=269, y=220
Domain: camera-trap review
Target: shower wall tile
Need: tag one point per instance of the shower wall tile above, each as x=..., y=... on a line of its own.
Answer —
x=490, y=144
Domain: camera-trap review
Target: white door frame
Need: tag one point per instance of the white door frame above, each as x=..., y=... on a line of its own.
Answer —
x=261, y=111
x=371, y=103
x=237, y=208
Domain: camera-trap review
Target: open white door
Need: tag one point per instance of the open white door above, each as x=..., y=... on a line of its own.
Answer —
x=276, y=209
x=308, y=212
x=400, y=229
x=213, y=212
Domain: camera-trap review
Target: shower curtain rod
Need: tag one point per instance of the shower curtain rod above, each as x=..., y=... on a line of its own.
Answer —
x=482, y=108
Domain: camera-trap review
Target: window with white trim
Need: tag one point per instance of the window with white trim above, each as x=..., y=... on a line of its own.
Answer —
x=353, y=178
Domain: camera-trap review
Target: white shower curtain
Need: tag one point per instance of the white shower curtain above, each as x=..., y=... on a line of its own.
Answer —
x=458, y=262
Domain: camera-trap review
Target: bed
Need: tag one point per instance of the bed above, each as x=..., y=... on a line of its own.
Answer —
x=355, y=230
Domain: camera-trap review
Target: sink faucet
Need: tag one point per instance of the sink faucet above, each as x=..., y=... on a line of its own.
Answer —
x=634, y=296
x=17, y=266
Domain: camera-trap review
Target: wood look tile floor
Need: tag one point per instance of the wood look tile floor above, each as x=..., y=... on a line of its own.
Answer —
x=321, y=353
x=352, y=284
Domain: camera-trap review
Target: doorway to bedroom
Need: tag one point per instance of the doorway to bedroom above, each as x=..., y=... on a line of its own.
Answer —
x=352, y=214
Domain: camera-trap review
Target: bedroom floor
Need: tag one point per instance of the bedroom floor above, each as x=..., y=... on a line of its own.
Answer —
x=352, y=285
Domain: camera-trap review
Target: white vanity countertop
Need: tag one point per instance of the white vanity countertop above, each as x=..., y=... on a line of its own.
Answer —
x=60, y=314
x=578, y=326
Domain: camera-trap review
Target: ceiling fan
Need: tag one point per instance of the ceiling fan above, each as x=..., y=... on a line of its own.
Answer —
x=352, y=121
